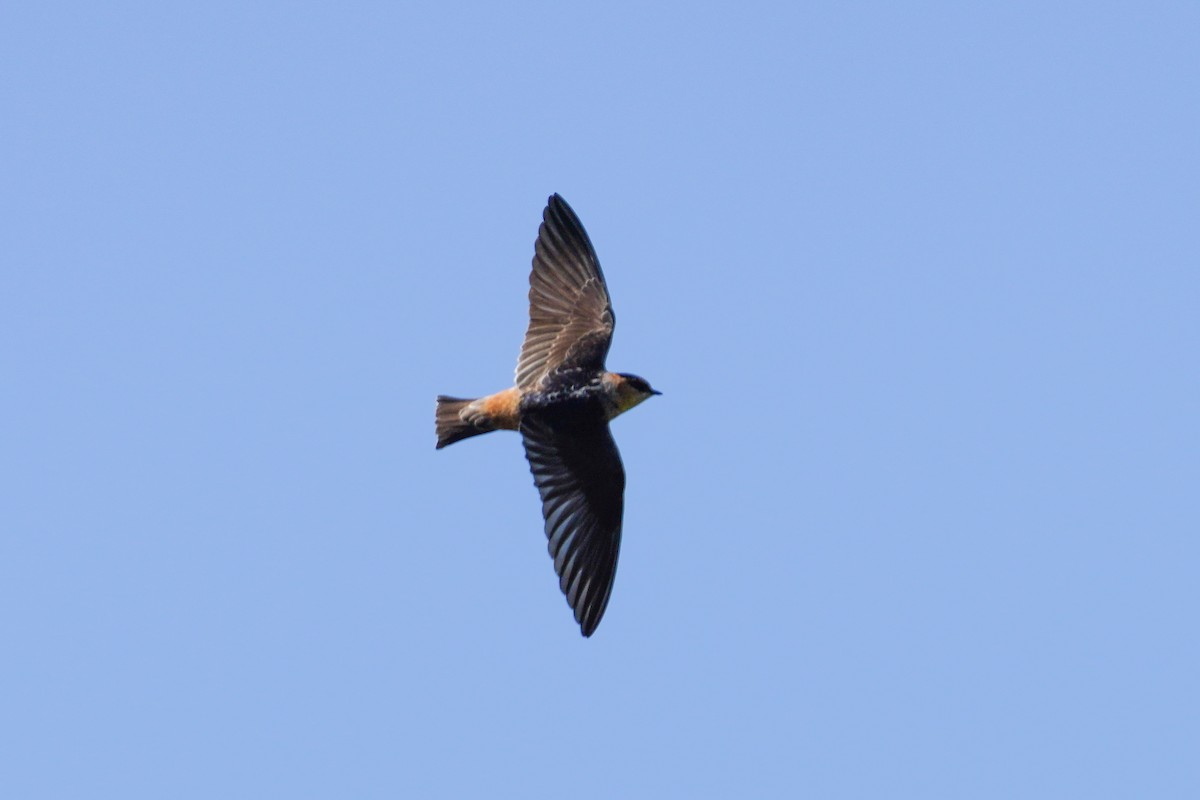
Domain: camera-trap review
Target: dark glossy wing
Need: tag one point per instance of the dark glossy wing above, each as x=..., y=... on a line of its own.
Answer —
x=570, y=315
x=579, y=475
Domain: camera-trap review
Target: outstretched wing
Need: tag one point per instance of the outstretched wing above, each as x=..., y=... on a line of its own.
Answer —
x=578, y=473
x=570, y=314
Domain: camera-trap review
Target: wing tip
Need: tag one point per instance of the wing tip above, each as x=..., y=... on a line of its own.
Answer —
x=556, y=206
x=588, y=621
x=590, y=614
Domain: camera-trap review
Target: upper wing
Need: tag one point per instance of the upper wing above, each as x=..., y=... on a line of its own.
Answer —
x=579, y=475
x=570, y=315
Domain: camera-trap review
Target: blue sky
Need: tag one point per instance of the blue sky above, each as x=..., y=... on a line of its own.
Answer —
x=915, y=517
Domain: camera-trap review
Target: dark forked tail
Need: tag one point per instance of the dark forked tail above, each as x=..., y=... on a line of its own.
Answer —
x=451, y=427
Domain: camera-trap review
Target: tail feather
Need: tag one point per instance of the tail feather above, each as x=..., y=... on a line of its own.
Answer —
x=451, y=427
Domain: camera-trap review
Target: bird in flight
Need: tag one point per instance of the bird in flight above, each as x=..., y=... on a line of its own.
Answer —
x=561, y=404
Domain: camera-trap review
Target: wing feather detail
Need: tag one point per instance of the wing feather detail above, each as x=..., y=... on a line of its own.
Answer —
x=578, y=473
x=570, y=315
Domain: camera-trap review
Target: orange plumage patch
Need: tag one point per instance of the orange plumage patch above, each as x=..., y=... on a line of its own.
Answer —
x=503, y=409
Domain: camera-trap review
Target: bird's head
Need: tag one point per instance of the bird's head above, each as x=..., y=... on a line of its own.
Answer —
x=631, y=390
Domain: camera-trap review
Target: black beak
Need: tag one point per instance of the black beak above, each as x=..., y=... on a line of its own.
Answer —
x=655, y=391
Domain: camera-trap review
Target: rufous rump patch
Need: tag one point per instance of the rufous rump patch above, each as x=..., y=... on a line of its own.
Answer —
x=503, y=409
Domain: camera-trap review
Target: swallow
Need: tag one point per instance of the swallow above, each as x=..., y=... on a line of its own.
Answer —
x=561, y=405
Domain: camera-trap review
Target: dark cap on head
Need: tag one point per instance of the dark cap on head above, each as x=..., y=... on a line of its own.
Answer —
x=638, y=382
